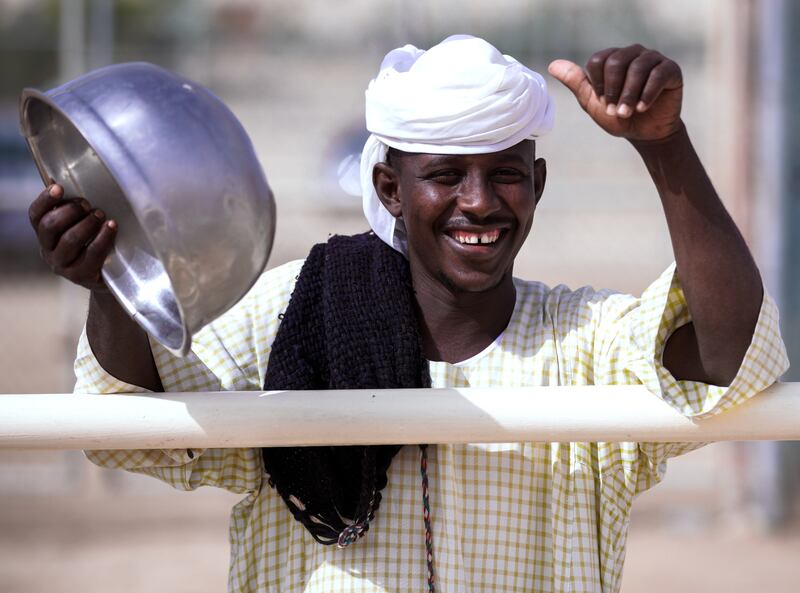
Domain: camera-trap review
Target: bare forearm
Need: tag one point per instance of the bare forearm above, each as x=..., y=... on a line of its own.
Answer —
x=119, y=344
x=718, y=275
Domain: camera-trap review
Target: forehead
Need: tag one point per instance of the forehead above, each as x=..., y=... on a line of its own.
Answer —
x=522, y=153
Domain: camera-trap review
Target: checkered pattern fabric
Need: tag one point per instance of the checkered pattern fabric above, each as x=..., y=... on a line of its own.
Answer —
x=512, y=517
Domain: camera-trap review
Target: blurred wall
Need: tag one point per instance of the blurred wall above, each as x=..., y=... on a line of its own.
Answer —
x=295, y=72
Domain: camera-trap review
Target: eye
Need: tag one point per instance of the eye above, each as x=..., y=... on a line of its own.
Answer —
x=445, y=176
x=508, y=175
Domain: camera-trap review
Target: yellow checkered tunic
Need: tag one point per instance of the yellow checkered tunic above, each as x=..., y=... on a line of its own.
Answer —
x=512, y=517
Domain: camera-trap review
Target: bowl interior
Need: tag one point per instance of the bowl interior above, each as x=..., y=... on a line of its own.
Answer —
x=133, y=270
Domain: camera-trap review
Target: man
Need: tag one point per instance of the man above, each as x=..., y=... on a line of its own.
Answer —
x=450, y=180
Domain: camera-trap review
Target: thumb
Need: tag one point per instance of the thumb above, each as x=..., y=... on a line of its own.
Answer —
x=573, y=77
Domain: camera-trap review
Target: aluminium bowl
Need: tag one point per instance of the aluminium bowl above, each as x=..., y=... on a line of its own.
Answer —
x=173, y=166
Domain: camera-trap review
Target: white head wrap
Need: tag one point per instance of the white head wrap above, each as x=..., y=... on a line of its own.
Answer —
x=460, y=97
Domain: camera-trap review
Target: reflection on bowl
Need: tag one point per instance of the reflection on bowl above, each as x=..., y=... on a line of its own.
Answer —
x=173, y=166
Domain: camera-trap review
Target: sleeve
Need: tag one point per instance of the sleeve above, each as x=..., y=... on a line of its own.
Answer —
x=629, y=344
x=229, y=354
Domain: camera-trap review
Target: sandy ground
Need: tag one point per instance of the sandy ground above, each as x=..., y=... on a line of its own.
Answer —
x=177, y=542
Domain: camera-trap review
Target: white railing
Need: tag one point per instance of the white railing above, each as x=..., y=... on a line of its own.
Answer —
x=246, y=419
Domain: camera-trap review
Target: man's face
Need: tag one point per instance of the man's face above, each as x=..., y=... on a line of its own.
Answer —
x=466, y=216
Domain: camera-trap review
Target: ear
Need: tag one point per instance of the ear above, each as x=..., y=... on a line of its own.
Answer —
x=386, y=180
x=539, y=178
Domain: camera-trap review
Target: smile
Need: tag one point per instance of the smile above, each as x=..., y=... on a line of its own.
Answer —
x=470, y=238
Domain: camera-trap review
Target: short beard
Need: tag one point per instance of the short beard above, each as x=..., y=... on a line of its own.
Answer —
x=447, y=283
x=453, y=288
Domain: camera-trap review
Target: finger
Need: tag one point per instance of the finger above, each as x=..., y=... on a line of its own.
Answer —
x=638, y=73
x=615, y=71
x=56, y=221
x=44, y=202
x=666, y=76
x=86, y=269
x=594, y=69
x=574, y=78
x=75, y=239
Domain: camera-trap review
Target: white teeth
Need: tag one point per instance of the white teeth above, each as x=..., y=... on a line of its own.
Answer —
x=474, y=239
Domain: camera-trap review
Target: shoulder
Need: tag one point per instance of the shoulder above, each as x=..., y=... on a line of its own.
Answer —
x=277, y=280
x=236, y=345
x=268, y=297
x=564, y=306
x=562, y=297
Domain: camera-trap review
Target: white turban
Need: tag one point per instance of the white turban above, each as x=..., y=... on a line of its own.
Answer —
x=460, y=97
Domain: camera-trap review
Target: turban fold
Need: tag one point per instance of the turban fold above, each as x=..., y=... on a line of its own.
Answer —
x=460, y=97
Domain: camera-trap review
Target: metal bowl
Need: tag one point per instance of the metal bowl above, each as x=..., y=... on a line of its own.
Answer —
x=173, y=166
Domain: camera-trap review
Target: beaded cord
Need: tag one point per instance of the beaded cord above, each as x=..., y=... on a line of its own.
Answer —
x=426, y=514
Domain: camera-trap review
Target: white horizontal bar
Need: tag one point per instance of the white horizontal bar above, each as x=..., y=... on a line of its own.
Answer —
x=248, y=419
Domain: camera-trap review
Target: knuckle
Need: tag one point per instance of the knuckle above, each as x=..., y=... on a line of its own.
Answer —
x=596, y=60
x=70, y=241
x=638, y=68
x=87, y=229
x=92, y=249
x=97, y=249
x=48, y=223
x=658, y=76
x=614, y=62
x=644, y=63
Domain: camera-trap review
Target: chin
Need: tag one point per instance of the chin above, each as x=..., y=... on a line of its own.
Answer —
x=474, y=282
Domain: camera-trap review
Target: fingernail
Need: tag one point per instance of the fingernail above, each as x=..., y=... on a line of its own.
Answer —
x=611, y=109
x=112, y=224
x=641, y=106
x=99, y=214
x=86, y=206
x=624, y=111
x=55, y=191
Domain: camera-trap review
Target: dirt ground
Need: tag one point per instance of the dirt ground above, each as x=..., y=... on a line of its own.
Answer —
x=177, y=542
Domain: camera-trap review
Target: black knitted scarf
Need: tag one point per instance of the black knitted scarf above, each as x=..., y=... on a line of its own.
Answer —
x=350, y=324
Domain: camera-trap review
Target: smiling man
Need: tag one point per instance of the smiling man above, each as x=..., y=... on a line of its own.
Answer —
x=465, y=218
x=450, y=184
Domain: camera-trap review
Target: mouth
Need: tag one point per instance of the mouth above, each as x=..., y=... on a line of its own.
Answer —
x=474, y=238
x=475, y=241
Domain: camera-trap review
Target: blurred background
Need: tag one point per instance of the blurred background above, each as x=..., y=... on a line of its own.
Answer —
x=294, y=72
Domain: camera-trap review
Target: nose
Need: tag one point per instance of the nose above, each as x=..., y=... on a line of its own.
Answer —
x=478, y=198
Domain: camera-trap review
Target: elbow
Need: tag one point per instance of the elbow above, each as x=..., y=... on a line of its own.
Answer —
x=722, y=367
x=722, y=377
x=715, y=362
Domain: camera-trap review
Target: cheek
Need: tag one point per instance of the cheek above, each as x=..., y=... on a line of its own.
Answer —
x=523, y=206
x=528, y=223
x=423, y=211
